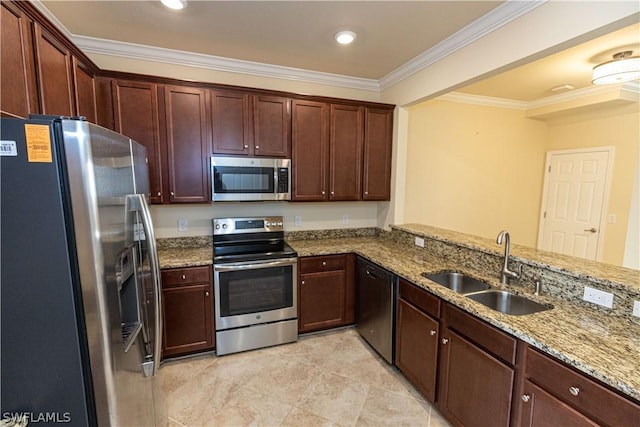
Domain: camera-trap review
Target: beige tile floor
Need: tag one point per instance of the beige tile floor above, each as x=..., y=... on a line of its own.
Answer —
x=327, y=379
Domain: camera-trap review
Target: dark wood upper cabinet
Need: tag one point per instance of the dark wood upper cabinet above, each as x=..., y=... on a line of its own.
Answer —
x=376, y=174
x=53, y=65
x=231, y=123
x=135, y=114
x=271, y=126
x=310, y=150
x=345, y=152
x=188, y=144
x=85, y=91
x=19, y=96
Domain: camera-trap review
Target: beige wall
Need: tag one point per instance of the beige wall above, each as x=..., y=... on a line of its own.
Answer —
x=622, y=132
x=475, y=169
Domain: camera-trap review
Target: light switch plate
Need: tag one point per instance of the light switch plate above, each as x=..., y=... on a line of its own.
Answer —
x=636, y=308
x=297, y=220
x=605, y=299
x=419, y=241
x=183, y=224
x=345, y=219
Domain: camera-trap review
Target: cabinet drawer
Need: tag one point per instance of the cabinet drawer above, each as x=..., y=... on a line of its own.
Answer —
x=491, y=339
x=579, y=391
x=428, y=303
x=322, y=263
x=183, y=276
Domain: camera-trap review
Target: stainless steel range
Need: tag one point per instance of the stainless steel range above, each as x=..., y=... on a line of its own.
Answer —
x=256, y=301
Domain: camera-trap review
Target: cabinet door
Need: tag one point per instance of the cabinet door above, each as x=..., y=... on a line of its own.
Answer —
x=53, y=64
x=271, y=126
x=475, y=388
x=135, y=110
x=376, y=174
x=18, y=96
x=85, y=91
x=345, y=159
x=188, y=144
x=541, y=409
x=310, y=151
x=321, y=300
x=188, y=319
x=417, y=348
x=231, y=123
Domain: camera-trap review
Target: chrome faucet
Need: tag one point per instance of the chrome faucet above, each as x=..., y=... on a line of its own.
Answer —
x=507, y=274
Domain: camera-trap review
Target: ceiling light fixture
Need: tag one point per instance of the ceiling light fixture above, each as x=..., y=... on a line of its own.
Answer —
x=175, y=4
x=623, y=68
x=345, y=37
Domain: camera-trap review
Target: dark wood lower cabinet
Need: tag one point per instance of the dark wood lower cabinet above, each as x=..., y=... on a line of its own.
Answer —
x=541, y=409
x=475, y=387
x=417, y=348
x=326, y=292
x=187, y=311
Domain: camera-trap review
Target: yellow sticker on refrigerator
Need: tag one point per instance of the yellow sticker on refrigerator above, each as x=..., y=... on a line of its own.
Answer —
x=38, y=143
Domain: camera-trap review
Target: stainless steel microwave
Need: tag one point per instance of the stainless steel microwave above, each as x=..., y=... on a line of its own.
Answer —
x=237, y=179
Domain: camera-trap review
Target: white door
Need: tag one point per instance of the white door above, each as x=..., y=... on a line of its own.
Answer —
x=574, y=201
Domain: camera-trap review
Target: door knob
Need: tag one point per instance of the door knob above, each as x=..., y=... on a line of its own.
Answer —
x=592, y=230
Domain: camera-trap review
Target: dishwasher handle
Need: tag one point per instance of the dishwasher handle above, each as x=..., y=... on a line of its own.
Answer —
x=371, y=274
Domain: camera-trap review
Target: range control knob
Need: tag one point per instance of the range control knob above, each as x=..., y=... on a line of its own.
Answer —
x=217, y=226
x=224, y=226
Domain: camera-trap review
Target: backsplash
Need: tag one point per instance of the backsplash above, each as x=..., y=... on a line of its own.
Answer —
x=184, y=242
x=332, y=234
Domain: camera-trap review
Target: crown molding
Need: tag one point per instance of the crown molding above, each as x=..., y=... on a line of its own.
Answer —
x=488, y=23
x=218, y=63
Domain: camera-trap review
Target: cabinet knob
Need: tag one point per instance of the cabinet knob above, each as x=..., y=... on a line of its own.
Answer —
x=184, y=277
x=432, y=332
x=257, y=147
x=445, y=340
x=366, y=192
x=525, y=398
x=574, y=390
x=302, y=282
x=206, y=293
x=172, y=193
x=159, y=194
x=324, y=262
x=246, y=146
x=323, y=192
x=332, y=193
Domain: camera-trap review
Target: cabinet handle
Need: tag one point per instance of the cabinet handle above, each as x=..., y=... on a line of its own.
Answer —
x=184, y=277
x=432, y=332
x=525, y=398
x=574, y=390
x=257, y=147
x=206, y=293
x=246, y=146
x=445, y=340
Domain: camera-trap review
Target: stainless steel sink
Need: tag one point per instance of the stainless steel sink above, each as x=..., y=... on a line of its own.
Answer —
x=457, y=282
x=507, y=303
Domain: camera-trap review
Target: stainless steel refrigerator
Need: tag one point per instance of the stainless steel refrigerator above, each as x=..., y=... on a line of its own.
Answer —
x=80, y=298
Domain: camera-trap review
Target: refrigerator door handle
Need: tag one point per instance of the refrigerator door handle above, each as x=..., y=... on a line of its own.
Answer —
x=152, y=249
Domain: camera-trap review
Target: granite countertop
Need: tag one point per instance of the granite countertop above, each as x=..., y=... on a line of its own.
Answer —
x=604, y=347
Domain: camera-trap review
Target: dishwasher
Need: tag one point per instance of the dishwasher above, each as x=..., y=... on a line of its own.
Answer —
x=375, y=307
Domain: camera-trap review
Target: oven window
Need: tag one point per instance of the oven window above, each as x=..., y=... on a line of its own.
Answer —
x=254, y=291
x=236, y=179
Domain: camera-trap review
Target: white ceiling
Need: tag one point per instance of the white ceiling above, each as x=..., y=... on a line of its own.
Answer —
x=299, y=34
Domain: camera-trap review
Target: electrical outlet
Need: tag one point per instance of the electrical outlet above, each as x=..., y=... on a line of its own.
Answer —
x=596, y=296
x=297, y=220
x=636, y=308
x=345, y=219
x=419, y=241
x=183, y=224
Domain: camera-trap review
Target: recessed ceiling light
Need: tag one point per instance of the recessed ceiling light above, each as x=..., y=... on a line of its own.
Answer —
x=175, y=4
x=345, y=37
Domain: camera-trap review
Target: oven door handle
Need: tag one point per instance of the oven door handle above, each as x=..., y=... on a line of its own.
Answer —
x=252, y=265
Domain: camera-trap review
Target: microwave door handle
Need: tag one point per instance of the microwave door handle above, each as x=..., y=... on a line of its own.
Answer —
x=152, y=250
x=276, y=184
